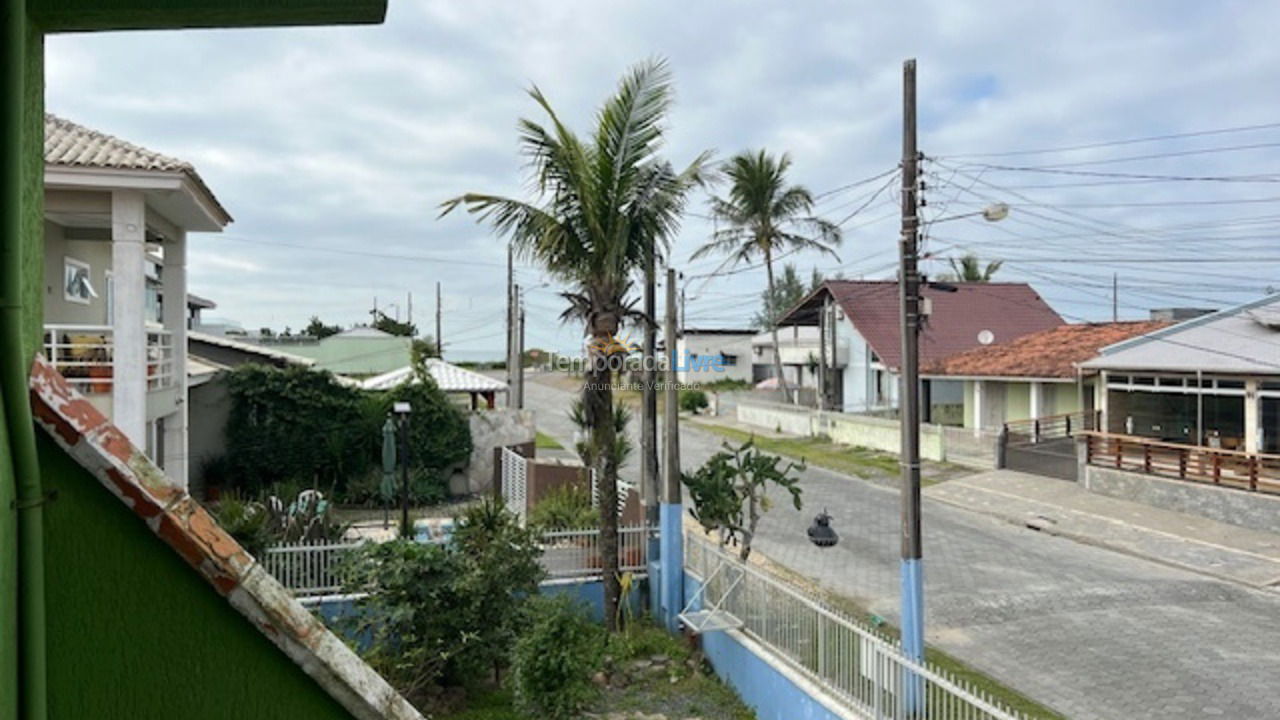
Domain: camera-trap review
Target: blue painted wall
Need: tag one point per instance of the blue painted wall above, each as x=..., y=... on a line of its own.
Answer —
x=771, y=694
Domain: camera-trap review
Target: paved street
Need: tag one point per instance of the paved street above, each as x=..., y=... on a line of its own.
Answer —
x=1090, y=632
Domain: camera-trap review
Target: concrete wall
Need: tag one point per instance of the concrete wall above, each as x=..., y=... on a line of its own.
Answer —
x=772, y=689
x=1228, y=505
x=209, y=407
x=95, y=253
x=491, y=429
x=710, y=345
x=937, y=442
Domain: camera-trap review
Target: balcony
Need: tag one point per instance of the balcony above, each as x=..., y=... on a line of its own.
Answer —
x=84, y=354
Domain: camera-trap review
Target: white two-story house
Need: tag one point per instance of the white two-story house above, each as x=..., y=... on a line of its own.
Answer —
x=115, y=312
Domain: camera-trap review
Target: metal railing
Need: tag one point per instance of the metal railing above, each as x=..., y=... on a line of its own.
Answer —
x=576, y=553
x=1248, y=471
x=850, y=661
x=1052, y=427
x=306, y=569
x=85, y=354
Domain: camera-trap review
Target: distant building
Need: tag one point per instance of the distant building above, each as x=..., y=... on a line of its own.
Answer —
x=358, y=352
x=710, y=354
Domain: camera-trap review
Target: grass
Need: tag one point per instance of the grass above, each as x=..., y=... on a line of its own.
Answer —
x=858, y=461
x=546, y=442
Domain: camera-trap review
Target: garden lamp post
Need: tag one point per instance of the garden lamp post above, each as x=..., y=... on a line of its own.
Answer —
x=402, y=411
x=388, y=488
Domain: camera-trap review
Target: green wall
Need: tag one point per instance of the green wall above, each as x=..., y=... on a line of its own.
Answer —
x=136, y=633
x=1017, y=401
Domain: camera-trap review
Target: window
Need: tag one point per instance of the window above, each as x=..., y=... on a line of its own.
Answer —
x=76, y=286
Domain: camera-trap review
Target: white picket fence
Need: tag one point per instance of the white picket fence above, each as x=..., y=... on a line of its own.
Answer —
x=305, y=568
x=846, y=658
x=576, y=553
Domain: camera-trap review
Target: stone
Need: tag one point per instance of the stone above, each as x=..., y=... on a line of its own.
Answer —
x=600, y=679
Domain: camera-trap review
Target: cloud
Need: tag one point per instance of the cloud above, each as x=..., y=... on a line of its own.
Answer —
x=345, y=140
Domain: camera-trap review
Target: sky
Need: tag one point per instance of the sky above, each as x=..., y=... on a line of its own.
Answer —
x=333, y=147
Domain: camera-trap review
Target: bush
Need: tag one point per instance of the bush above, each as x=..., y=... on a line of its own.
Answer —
x=568, y=506
x=300, y=425
x=555, y=658
x=283, y=517
x=693, y=400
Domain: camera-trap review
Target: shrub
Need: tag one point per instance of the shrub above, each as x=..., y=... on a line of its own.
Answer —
x=286, y=517
x=693, y=400
x=555, y=658
x=730, y=491
x=568, y=506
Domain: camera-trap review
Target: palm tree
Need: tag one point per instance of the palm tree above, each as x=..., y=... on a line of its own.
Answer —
x=766, y=217
x=970, y=269
x=602, y=205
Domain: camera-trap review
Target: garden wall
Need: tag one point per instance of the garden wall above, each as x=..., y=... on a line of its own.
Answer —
x=937, y=442
x=1229, y=505
x=491, y=429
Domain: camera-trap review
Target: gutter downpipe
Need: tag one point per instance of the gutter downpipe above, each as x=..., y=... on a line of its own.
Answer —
x=18, y=428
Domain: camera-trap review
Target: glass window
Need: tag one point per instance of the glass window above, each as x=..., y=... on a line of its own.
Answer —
x=1143, y=380
x=76, y=285
x=1231, y=384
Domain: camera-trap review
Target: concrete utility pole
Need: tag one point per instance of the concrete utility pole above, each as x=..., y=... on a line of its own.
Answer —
x=669, y=515
x=909, y=293
x=649, y=401
x=439, y=337
x=510, y=322
x=520, y=355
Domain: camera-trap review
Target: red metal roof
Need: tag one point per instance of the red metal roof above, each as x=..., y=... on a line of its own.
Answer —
x=1007, y=310
x=1046, y=354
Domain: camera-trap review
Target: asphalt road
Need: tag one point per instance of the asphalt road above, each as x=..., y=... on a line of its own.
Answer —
x=1089, y=632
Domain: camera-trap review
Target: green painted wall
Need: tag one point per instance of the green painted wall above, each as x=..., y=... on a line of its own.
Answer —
x=136, y=633
x=1066, y=398
x=1017, y=401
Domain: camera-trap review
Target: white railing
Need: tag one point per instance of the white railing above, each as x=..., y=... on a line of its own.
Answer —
x=85, y=354
x=624, y=491
x=306, y=569
x=576, y=553
x=850, y=661
x=515, y=483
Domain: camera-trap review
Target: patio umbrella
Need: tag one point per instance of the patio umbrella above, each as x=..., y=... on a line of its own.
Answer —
x=388, y=487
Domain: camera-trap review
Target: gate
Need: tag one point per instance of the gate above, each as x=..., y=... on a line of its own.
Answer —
x=1045, y=446
x=515, y=483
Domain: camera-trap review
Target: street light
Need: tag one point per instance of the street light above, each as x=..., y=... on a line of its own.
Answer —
x=402, y=409
x=995, y=212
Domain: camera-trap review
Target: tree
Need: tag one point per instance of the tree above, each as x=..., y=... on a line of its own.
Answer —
x=970, y=269
x=786, y=293
x=602, y=205
x=317, y=329
x=730, y=491
x=765, y=216
x=387, y=324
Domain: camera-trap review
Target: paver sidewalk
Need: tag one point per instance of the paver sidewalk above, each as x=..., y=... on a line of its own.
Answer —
x=1065, y=509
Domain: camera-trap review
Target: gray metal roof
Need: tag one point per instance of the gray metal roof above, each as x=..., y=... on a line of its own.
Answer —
x=1240, y=340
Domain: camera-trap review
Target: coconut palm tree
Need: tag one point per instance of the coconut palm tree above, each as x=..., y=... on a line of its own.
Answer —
x=601, y=205
x=969, y=269
x=766, y=217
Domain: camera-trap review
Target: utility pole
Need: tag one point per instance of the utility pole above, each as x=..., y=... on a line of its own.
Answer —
x=1115, y=297
x=409, y=305
x=671, y=539
x=520, y=355
x=439, y=337
x=649, y=400
x=909, y=405
x=510, y=322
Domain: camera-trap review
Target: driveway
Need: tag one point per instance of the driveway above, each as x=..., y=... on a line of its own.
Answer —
x=1089, y=632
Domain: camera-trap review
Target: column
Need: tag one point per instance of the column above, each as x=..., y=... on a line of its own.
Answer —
x=174, y=276
x=1036, y=399
x=1100, y=395
x=1251, y=439
x=979, y=389
x=129, y=326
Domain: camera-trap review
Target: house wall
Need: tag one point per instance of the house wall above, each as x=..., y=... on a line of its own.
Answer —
x=491, y=429
x=209, y=409
x=1017, y=401
x=707, y=345
x=1229, y=505
x=136, y=633
x=97, y=254
x=857, y=378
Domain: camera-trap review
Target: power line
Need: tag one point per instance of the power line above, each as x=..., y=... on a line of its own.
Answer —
x=1114, y=143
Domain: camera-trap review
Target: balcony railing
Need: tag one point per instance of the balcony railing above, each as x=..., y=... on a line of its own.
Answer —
x=1249, y=471
x=85, y=354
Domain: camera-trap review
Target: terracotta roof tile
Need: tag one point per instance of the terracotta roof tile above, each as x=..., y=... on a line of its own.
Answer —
x=1047, y=354
x=1007, y=310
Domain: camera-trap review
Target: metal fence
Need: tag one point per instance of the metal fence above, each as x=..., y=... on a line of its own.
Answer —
x=576, y=553
x=850, y=661
x=515, y=483
x=306, y=569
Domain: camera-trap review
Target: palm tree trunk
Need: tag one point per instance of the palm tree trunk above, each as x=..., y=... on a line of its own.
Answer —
x=773, y=328
x=597, y=400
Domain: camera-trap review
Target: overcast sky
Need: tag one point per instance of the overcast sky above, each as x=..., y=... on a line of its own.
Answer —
x=333, y=147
